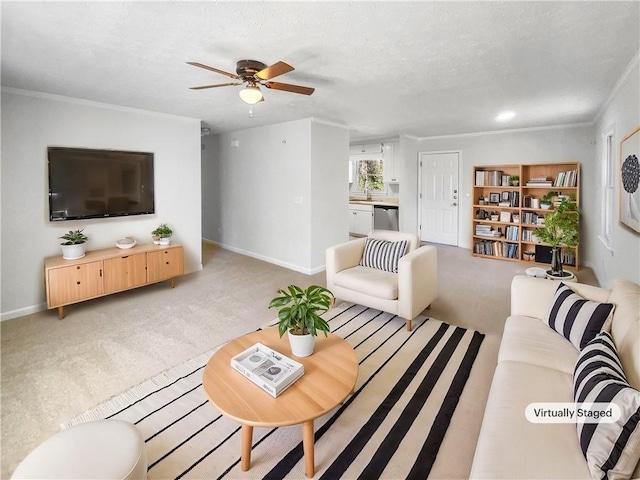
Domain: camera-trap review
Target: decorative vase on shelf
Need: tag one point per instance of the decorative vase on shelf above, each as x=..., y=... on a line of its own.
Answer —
x=156, y=239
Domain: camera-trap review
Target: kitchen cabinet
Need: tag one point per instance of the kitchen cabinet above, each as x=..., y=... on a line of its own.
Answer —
x=111, y=270
x=390, y=172
x=365, y=148
x=360, y=219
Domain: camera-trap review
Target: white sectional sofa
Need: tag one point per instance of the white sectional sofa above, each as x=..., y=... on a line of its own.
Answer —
x=536, y=364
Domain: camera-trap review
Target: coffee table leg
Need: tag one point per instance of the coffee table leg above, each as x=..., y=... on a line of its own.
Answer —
x=247, y=440
x=307, y=444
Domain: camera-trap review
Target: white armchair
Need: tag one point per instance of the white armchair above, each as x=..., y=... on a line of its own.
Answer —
x=406, y=293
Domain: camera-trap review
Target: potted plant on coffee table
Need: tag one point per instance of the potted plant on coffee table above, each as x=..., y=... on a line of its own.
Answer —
x=299, y=315
x=74, y=245
x=560, y=230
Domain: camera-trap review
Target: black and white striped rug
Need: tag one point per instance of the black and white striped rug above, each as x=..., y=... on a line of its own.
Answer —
x=408, y=387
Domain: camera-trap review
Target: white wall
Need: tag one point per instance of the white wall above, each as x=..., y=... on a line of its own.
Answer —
x=623, y=115
x=267, y=186
x=571, y=144
x=329, y=190
x=30, y=123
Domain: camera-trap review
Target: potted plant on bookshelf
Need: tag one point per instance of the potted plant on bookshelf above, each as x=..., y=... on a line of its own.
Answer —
x=547, y=198
x=514, y=180
x=74, y=245
x=162, y=234
x=299, y=315
x=560, y=230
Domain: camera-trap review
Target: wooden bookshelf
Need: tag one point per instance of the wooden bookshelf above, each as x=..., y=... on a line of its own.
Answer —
x=517, y=242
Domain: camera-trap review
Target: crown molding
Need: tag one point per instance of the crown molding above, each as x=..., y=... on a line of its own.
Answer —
x=623, y=78
x=513, y=130
x=91, y=103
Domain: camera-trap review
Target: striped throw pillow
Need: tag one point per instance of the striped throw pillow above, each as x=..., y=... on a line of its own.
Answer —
x=612, y=450
x=382, y=254
x=575, y=318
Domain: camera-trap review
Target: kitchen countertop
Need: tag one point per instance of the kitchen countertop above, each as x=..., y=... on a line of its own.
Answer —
x=384, y=202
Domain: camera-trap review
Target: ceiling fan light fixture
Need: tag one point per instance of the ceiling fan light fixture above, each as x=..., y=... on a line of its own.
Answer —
x=250, y=94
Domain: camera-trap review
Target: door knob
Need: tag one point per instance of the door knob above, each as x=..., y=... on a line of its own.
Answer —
x=454, y=204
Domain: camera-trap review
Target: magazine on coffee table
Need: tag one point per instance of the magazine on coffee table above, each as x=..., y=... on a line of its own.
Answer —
x=270, y=370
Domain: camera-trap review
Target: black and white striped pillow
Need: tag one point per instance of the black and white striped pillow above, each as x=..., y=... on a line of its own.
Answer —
x=612, y=450
x=575, y=318
x=382, y=254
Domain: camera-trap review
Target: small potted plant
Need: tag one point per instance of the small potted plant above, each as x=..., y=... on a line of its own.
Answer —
x=162, y=234
x=299, y=315
x=514, y=180
x=74, y=245
x=561, y=228
x=545, y=201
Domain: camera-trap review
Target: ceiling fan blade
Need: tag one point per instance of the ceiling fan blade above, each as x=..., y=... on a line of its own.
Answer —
x=289, y=88
x=221, y=72
x=274, y=70
x=213, y=86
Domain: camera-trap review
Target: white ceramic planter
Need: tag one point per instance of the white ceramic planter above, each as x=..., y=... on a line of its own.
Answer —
x=73, y=252
x=165, y=241
x=301, y=345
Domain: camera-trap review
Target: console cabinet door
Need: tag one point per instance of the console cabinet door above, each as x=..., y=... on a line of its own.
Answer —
x=75, y=282
x=125, y=272
x=165, y=264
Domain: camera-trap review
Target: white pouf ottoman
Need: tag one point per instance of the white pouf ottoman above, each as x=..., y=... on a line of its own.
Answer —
x=104, y=449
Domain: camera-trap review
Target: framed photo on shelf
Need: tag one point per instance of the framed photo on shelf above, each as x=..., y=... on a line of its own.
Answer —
x=526, y=201
x=505, y=217
x=494, y=198
x=629, y=214
x=506, y=196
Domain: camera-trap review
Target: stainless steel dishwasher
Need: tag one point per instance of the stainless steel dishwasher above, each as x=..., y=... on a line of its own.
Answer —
x=385, y=217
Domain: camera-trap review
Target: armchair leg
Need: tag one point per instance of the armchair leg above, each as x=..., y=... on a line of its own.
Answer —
x=408, y=325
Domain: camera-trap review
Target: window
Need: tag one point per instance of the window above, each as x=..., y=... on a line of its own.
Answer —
x=369, y=176
x=608, y=213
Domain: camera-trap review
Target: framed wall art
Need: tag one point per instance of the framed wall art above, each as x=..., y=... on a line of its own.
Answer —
x=629, y=175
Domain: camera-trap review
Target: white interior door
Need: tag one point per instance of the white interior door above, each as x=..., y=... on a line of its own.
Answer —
x=439, y=197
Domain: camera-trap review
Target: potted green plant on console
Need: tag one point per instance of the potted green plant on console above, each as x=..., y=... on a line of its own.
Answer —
x=162, y=234
x=299, y=315
x=560, y=229
x=74, y=245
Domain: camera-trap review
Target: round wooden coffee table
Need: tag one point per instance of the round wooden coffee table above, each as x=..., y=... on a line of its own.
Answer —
x=330, y=375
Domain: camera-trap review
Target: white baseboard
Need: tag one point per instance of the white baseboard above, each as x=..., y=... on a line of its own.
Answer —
x=20, y=312
x=275, y=261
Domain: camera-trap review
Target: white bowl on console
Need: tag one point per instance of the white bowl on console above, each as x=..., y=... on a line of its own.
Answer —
x=126, y=242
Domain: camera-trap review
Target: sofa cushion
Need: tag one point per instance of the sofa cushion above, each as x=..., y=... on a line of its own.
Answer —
x=577, y=319
x=625, y=328
x=529, y=340
x=511, y=447
x=612, y=449
x=371, y=281
x=382, y=254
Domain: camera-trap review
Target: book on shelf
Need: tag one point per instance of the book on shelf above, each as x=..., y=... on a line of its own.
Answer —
x=566, y=179
x=496, y=249
x=268, y=369
x=487, y=231
x=489, y=178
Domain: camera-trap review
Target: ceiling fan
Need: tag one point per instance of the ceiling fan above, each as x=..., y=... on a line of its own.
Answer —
x=253, y=74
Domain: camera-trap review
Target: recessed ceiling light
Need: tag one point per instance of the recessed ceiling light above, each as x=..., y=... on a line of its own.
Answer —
x=504, y=116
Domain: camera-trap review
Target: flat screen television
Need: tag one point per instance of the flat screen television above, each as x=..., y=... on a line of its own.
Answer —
x=87, y=183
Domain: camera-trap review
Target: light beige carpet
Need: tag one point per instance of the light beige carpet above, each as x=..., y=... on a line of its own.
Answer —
x=52, y=370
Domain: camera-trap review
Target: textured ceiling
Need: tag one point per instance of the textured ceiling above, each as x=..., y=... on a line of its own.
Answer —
x=380, y=68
